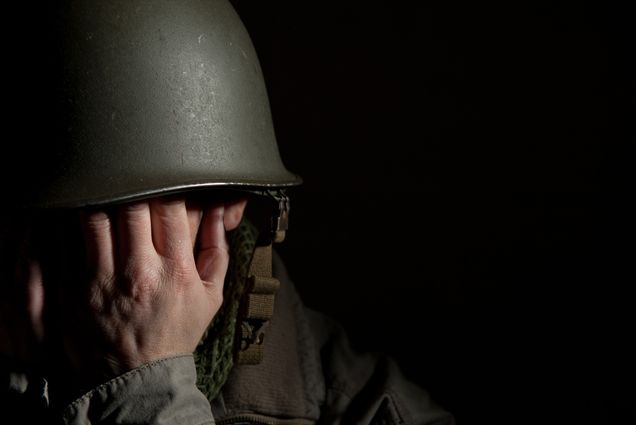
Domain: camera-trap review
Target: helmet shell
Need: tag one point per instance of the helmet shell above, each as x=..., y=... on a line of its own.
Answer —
x=149, y=98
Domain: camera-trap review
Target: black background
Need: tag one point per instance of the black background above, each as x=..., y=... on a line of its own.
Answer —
x=462, y=199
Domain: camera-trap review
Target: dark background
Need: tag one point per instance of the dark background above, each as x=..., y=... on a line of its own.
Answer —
x=462, y=200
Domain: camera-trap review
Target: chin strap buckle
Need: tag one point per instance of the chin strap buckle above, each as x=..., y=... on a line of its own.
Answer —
x=280, y=216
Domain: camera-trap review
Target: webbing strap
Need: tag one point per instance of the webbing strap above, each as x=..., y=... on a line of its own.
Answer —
x=258, y=307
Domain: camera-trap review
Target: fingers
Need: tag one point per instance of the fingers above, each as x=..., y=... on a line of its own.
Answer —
x=98, y=238
x=234, y=213
x=166, y=227
x=162, y=227
x=195, y=213
x=213, y=257
x=134, y=231
x=171, y=228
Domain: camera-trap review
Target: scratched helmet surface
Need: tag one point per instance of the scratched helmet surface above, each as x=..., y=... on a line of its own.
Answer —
x=147, y=98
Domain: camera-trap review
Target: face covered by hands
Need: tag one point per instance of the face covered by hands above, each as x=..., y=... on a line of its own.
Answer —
x=139, y=282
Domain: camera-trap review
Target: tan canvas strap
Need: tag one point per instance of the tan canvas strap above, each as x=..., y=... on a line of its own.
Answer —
x=258, y=307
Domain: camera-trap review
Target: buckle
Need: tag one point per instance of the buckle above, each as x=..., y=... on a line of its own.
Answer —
x=280, y=215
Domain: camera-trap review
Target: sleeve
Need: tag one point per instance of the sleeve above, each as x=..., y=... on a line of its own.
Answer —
x=163, y=392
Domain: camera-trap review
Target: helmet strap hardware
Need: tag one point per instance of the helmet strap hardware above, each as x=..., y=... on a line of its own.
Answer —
x=257, y=308
x=280, y=216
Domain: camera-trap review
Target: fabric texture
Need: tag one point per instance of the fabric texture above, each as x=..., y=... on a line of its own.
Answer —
x=310, y=374
x=215, y=353
x=158, y=393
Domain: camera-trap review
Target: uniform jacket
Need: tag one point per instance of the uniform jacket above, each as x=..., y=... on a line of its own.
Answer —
x=309, y=375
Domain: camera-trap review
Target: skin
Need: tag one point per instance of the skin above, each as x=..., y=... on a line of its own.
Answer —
x=152, y=282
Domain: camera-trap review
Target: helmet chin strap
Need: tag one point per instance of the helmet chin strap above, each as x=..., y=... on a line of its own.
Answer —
x=257, y=308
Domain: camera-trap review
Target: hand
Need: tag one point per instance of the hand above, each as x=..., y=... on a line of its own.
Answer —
x=146, y=296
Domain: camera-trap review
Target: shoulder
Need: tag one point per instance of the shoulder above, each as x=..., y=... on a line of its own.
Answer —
x=311, y=373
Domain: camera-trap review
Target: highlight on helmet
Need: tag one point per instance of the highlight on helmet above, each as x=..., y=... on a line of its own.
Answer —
x=146, y=98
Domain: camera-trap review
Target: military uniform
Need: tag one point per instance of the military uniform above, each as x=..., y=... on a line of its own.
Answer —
x=309, y=374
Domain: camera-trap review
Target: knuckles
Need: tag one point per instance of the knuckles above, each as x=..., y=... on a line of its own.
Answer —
x=141, y=280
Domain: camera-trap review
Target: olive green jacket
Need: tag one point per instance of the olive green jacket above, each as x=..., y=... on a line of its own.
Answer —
x=309, y=375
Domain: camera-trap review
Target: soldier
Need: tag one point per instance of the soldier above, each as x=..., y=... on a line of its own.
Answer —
x=139, y=281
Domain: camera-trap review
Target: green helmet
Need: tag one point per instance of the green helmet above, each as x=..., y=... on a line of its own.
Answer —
x=147, y=98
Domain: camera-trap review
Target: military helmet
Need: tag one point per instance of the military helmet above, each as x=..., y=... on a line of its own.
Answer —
x=142, y=98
